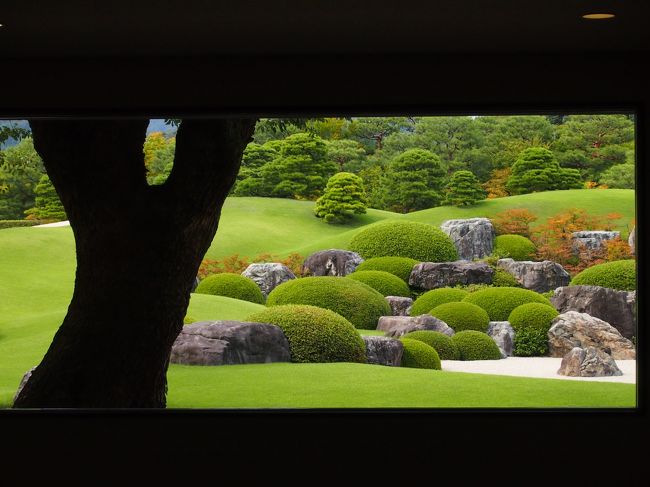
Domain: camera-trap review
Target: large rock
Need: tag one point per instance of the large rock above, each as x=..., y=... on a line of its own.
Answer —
x=618, y=308
x=473, y=237
x=230, y=343
x=573, y=329
x=591, y=240
x=400, y=305
x=268, y=275
x=432, y=275
x=396, y=326
x=23, y=381
x=503, y=335
x=383, y=350
x=537, y=276
x=332, y=262
x=588, y=362
x=632, y=239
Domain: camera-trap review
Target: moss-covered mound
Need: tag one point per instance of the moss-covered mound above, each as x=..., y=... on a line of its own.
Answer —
x=315, y=334
x=503, y=278
x=398, y=266
x=500, y=301
x=532, y=315
x=462, y=316
x=419, y=355
x=620, y=274
x=231, y=285
x=431, y=299
x=384, y=282
x=355, y=301
x=419, y=241
x=441, y=343
x=475, y=345
x=515, y=247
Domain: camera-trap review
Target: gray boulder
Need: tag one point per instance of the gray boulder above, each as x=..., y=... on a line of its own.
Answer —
x=503, y=335
x=591, y=240
x=632, y=239
x=537, y=276
x=400, y=305
x=573, y=329
x=472, y=237
x=588, y=362
x=432, y=275
x=332, y=262
x=230, y=343
x=396, y=326
x=23, y=381
x=195, y=283
x=618, y=308
x=268, y=275
x=383, y=350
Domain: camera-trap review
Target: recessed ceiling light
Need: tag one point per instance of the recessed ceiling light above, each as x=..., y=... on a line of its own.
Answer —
x=598, y=16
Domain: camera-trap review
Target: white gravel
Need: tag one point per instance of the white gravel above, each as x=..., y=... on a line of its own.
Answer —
x=65, y=223
x=544, y=367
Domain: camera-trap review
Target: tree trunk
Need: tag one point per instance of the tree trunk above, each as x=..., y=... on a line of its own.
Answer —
x=139, y=248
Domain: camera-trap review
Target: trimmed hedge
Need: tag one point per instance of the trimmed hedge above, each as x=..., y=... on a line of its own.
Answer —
x=315, y=335
x=398, y=266
x=515, y=247
x=419, y=241
x=475, y=345
x=530, y=342
x=355, y=301
x=231, y=285
x=500, y=301
x=430, y=299
x=419, y=355
x=384, y=282
x=462, y=316
x=18, y=223
x=620, y=274
x=532, y=315
x=441, y=343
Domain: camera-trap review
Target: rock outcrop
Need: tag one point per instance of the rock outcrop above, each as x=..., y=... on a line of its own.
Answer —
x=591, y=240
x=503, y=335
x=588, y=362
x=268, y=275
x=400, y=305
x=432, y=275
x=472, y=237
x=383, y=350
x=537, y=276
x=631, y=240
x=332, y=262
x=396, y=326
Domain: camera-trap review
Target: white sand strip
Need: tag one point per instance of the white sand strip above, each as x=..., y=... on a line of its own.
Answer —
x=65, y=223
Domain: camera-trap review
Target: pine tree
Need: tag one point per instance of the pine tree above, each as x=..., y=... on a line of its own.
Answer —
x=464, y=189
x=47, y=206
x=344, y=196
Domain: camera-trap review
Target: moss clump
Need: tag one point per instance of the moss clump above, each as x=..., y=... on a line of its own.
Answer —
x=430, y=299
x=475, y=345
x=398, y=266
x=503, y=278
x=231, y=285
x=530, y=342
x=419, y=355
x=500, y=301
x=188, y=319
x=462, y=316
x=315, y=335
x=515, y=247
x=419, y=241
x=532, y=315
x=620, y=274
x=384, y=282
x=355, y=301
x=441, y=343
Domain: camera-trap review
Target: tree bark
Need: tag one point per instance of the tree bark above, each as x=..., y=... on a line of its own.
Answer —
x=138, y=248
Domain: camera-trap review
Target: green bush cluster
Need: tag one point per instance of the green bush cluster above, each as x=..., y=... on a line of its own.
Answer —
x=500, y=301
x=530, y=342
x=620, y=274
x=476, y=345
x=18, y=223
x=355, y=301
x=462, y=316
x=419, y=241
x=419, y=355
x=398, y=266
x=383, y=282
x=231, y=285
x=431, y=299
x=315, y=334
x=515, y=247
x=503, y=278
x=441, y=343
x=532, y=315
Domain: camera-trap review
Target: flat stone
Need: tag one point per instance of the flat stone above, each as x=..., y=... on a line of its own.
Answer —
x=433, y=275
x=400, y=305
x=396, y=326
x=503, y=335
x=268, y=275
x=383, y=350
x=332, y=262
x=588, y=362
x=537, y=276
x=472, y=237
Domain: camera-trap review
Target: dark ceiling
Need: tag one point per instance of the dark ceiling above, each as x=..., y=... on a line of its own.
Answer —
x=46, y=28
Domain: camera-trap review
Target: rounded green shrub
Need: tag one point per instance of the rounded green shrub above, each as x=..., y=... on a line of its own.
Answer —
x=530, y=342
x=475, y=345
x=315, y=334
x=462, y=316
x=515, y=247
x=431, y=299
x=398, y=266
x=231, y=285
x=500, y=301
x=355, y=301
x=384, y=282
x=419, y=355
x=620, y=274
x=503, y=278
x=532, y=315
x=419, y=241
x=441, y=343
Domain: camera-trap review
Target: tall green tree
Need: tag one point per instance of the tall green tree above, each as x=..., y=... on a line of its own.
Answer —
x=348, y=155
x=463, y=189
x=619, y=176
x=20, y=171
x=536, y=169
x=47, y=205
x=344, y=196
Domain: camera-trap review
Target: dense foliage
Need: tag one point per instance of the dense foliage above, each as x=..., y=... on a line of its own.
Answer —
x=231, y=285
x=530, y=342
x=619, y=275
x=462, y=316
x=398, y=266
x=344, y=197
x=532, y=315
x=435, y=297
x=443, y=344
x=384, y=282
x=503, y=278
x=463, y=189
x=476, y=345
x=47, y=205
x=419, y=355
x=536, y=169
x=500, y=301
x=515, y=247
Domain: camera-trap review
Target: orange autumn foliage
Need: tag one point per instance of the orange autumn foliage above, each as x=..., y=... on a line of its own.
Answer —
x=236, y=264
x=515, y=221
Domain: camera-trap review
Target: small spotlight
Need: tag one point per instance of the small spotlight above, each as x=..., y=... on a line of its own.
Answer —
x=598, y=16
